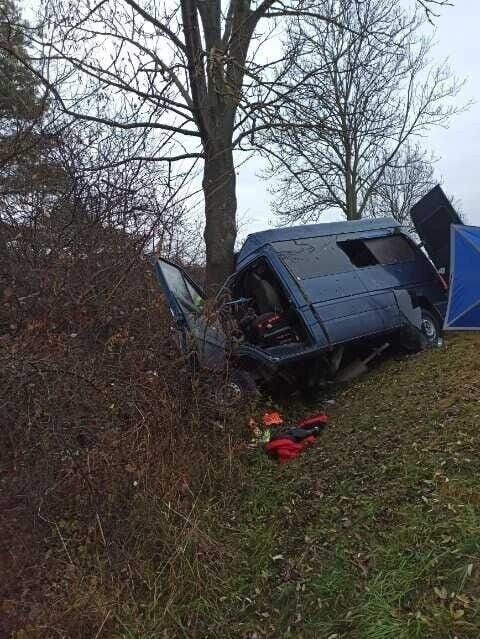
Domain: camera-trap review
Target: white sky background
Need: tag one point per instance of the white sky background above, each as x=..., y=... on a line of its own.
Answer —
x=458, y=147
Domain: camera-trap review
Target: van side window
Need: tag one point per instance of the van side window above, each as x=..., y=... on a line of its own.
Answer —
x=393, y=249
x=313, y=256
x=358, y=252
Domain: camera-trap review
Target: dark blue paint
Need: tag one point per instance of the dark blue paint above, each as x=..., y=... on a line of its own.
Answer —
x=340, y=308
x=359, y=303
x=256, y=241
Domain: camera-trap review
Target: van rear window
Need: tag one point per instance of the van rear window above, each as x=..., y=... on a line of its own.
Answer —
x=393, y=249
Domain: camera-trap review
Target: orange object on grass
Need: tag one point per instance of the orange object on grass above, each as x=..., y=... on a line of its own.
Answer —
x=272, y=419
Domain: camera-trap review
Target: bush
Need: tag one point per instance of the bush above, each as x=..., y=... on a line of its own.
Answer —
x=109, y=449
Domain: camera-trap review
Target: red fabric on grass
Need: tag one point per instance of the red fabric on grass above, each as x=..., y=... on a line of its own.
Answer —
x=314, y=420
x=285, y=449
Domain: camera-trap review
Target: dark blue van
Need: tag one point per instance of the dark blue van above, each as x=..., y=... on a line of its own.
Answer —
x=303, y=297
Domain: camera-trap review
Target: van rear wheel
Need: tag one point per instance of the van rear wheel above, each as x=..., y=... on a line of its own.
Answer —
x=414, y=340
x=431, y=328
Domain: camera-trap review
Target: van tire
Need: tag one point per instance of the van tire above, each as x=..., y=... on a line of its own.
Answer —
x=238, y=390
x=413, y=340
x=431, y=327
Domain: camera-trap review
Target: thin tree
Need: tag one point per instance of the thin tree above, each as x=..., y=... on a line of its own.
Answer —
x=404, y=182
x=370, y=89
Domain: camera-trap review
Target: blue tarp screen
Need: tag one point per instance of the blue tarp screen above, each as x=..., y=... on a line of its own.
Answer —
x=463, y=312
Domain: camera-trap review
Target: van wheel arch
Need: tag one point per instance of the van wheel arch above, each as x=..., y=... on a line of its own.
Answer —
x=424, y=303
x=411, y=339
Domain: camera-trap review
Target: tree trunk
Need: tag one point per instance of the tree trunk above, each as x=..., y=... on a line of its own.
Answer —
x=351, y=201
x=220, y=214
x=351, y=211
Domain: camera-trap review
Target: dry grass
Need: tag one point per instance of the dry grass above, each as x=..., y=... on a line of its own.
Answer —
x=110, y=454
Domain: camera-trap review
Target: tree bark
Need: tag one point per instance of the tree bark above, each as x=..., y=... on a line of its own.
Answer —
x=220, y=214
x=352, y=212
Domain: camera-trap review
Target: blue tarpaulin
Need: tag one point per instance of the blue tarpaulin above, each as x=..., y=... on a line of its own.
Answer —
x=463, y=311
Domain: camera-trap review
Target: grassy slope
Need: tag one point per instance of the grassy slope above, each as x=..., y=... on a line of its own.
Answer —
x=375, y=533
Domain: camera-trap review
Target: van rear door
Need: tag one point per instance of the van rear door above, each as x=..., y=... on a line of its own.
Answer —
x=432, y=218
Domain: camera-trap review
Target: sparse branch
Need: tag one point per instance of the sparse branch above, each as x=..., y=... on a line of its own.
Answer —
x=370, y=89
x=93, y=118
x=190, y=80
x=431, y=7
x=158, y=24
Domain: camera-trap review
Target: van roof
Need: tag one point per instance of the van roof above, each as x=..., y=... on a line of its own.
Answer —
x=255, y=241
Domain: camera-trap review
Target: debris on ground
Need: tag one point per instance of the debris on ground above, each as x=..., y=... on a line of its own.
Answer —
x=359, y=367
x=272, y=419
x=287, y=443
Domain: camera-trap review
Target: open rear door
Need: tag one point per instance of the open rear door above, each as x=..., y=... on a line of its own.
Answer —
x=195, y=331
x=432, y=218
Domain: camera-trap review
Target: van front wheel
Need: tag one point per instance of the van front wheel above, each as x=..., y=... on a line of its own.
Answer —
x=239, y=389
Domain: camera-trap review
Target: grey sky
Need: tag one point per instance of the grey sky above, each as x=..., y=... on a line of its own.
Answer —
x=458, y=146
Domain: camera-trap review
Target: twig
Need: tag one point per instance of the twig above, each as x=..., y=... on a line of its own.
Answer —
x=102, y=624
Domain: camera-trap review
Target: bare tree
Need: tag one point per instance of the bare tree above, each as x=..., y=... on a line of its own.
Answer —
x=179, y=75
x=68, y=186
x=370, y=89
x=188, y=74
x=405, y=180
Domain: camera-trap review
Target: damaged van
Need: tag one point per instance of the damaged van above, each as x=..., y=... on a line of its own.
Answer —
x=302, y=298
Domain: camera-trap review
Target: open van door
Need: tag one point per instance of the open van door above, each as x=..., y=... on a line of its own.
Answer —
x=432, y=218
x=196, y=333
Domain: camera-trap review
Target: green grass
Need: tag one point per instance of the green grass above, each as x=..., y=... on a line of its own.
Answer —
x=374, y=533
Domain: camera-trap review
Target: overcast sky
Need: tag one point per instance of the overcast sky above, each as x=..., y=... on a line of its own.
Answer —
x=458, y=147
